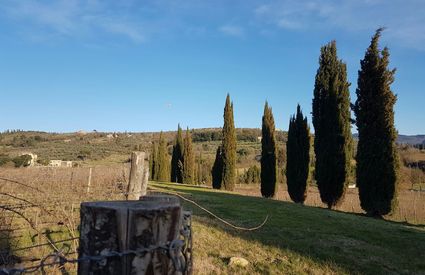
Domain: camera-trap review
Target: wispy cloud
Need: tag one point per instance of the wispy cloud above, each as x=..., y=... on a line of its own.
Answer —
x=404, y=19
x=73, y=18
x=58, y=16
x=232, y=30
x=133, y=32
x=139, y=21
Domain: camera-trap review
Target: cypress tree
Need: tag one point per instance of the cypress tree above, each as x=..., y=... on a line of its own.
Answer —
x=217, y=170
x=177, y=158
x=229, y=147
x=162, y=167
x=298, y=157
x=331, y=120
x=188, y=160
x=152, y=162
x=377, y=159
x=268, y=155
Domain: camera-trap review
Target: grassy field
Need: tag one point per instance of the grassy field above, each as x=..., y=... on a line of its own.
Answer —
x=411, y=204
x=298, y=239
x=295, y=240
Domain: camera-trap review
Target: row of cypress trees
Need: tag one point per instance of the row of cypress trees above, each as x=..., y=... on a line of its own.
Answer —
x=181, y=168
x=377, y=159
x=159, y=166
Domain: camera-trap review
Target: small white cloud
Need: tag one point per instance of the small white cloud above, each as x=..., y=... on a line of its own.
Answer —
x=232, y=30
x=289, y=24
x=262, y=9
x=126, y=29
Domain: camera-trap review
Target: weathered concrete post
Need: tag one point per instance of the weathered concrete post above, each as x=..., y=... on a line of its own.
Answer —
x=139, y=175
x=126, y=227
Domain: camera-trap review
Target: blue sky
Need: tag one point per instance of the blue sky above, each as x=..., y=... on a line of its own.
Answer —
x=148, y=65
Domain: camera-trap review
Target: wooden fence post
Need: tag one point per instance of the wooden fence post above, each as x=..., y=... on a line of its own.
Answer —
x=126, y=226
x=139, y=175
x=89, y=180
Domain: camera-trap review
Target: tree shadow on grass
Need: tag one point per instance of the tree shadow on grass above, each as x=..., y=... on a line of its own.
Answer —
x=351, y=241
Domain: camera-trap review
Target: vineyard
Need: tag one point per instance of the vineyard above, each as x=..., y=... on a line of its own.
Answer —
x=40, y=209
x=39, y=215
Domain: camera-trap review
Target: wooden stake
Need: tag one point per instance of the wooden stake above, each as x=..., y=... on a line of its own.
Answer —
x=119, y=226
x=139, y=175
x=89, y=180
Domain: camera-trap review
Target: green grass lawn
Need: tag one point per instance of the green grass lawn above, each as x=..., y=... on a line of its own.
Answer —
x=297, y=239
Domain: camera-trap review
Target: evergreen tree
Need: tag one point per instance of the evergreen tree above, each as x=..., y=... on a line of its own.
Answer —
x=331, y=120
x=162, y=167
x=177, y=158
x=252, y=175
x=217, y=170
x=268, y=155
x=229, y=147
x=377, y=159
x=153, y=162
x=298, y=157
x=188, y=160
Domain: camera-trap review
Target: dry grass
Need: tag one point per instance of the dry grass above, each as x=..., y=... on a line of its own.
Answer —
x=52, y=214
x=411, y=207
x=46, y=208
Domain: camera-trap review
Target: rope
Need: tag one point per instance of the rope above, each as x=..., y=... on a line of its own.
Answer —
x=211, y=213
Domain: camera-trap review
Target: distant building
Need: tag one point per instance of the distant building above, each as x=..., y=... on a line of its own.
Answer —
x=55, y=163
x=114, y=135
x=60, y=163
x=66, y=163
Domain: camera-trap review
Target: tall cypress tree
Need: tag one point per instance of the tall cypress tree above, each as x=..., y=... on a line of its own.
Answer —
x=177, y=158
x=377, y=159
x=152, y=162
x=229, y=147
x=268, y=155
x=217, y=170
x=188, y=160
x=298, y=157
x=331, y=120
x=162, y=167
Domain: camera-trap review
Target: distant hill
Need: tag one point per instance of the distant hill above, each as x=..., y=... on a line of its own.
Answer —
x=406, y=139
x=416, y=139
